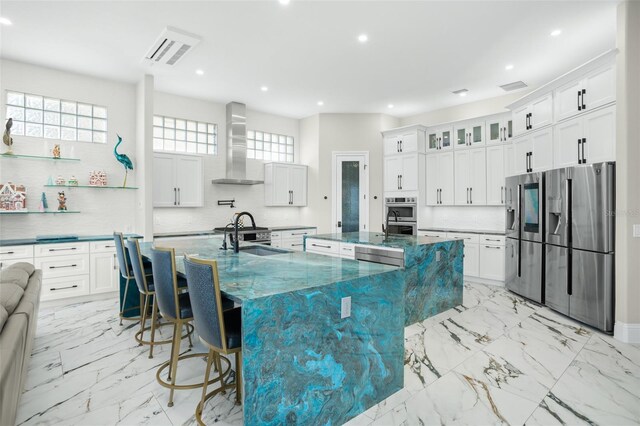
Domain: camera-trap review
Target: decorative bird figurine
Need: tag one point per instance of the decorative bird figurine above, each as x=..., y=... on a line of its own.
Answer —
x=124, y=160
x=6, y=138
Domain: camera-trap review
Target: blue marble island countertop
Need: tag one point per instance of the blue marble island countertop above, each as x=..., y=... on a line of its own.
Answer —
x=378, y=239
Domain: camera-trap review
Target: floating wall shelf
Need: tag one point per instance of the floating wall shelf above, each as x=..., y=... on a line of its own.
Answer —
x=91, y=186
x=12, y=212
x=37, y=157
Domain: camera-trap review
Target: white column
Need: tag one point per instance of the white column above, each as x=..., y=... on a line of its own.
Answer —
x=144, y=157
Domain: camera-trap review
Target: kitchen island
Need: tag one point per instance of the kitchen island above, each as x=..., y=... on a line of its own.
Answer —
x=305, y=360
x=432, y=272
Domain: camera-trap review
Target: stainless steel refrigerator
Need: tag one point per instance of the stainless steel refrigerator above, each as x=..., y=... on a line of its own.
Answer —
x=580, y=242
x=524, y=252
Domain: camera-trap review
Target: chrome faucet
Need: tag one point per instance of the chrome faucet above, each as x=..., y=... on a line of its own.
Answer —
x=224, y=237
x=386, y=229
x=236, y=243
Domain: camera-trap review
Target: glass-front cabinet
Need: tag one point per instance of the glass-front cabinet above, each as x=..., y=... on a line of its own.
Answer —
x=499, y=129
x=469, y=134
x=439, y=138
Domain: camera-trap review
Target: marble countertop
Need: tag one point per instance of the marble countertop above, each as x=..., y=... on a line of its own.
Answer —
x=80, y=239
x=466, y=231
x=245, y=276
x=378, y=239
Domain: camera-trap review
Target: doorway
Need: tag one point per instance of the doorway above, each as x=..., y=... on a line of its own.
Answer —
x=350, y=193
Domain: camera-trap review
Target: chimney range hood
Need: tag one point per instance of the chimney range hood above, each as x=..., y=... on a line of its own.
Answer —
x=236, y=173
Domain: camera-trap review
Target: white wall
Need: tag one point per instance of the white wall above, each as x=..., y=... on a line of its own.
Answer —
x=249, y=198
x=103, y=210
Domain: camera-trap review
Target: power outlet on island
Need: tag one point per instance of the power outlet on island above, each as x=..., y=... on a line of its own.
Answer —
x=438, y=256
x=345, y=307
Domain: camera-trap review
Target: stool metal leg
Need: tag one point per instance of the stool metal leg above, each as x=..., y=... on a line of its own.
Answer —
x=143, y=317
x=154, y=316
x=175, y=353
x=239, y=377
x=207, y=373
x=124, y=299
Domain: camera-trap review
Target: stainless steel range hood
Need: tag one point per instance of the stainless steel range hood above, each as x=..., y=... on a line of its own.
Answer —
x=236, y=173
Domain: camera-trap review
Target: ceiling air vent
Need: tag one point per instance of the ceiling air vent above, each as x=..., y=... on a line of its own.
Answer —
x=513, y=86
x=171, y=46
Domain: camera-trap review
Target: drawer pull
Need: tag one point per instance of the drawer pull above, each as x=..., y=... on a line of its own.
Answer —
x=490, y=239
x=64, y=288
x=299, y=233
x=7, y=252
x=63, y=249
x=63, y=266
x=295, y=245
x=493, y=247
x=107, y=246
x=320, y=245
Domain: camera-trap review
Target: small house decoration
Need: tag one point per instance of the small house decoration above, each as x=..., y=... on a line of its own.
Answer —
x=56, y=151
x=62, y=201
x=13, y=197
x=97, y=178
x=60, y=180
x=73, y=181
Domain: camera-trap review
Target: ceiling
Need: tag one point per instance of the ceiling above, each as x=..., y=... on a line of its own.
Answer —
x=417, y=53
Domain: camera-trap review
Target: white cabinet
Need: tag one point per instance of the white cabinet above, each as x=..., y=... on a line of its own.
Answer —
x=105, y=276
x=285, y=184
x=471, y=252
x=439, y=175
x=534, y=152
x=432, y=234
x=470, y=177
x=440, y=138
x=595, y=89
x=469, y=134
x=510, y=160
x=499, y=129
x=495, y=175
x=14, y=254
x=177, y=181
x=534, y=115
x=326, y=247
x=404, y=141
x=492, y=258
x=401, y=173
x=292, y=239
x=589, y=138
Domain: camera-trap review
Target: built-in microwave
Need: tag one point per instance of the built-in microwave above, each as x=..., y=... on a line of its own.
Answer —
x=406, y=209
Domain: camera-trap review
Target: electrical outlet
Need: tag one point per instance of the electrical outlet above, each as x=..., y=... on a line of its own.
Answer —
x=345, y=307
x=636, y=231
x=438, y=256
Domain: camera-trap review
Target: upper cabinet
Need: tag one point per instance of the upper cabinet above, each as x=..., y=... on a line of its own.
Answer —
x=178, y=180
x=469, y=134
x=533, y=152
x=401, y=173
x=533, y=115
x=470, y=177
x=597, y=88
x=440, y=138
x=499, y=129
x=406, y=140
x=439, y=187
x=285, y=184
x=495, y=175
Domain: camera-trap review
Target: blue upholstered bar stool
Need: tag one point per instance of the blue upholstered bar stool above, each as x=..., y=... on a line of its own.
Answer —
x=124, y=265
x=220, y=330
x=175, y=307
x=147, y=291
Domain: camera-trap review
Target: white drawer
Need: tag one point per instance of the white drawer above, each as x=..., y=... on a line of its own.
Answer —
x=63, y=287
x=102, y=246
x=276, y=235
x=496, y=240
x=61, y=249
x=323, y=246
x=468, y=238
x=432, y=234
x=296, y=244
x=348, y=250
x=16, y=252
x=63, y=266
x=5, y=263
x=297, y=233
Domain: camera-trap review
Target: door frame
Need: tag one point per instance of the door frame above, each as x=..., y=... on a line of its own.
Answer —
x=334, y=189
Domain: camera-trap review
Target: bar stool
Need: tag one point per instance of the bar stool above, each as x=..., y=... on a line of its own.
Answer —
x=220, y=330
x=147, y=291
x=124, y=265
x=175, y=307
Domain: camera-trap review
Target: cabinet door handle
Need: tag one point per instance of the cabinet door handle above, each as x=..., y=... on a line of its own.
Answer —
x=320, y=245
x=584, y=92
x=490, y=239
x=63, y=249
x=493, y=247
x=470, y=195
x=579, y=143
x=584, y=159
x=400, y=181
x=502, y=195
x=115, y=262
x=467, y=195
x=179, y=197
x=62, y=288
x=63, y=266
x=398, y=146
x=7, y=252
x=175, y=196
x=579, y=103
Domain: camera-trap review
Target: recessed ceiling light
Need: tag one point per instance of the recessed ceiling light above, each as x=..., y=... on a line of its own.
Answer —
x=390, y=106
x=199, y=72
x=5, y=21
x=363, y=38
x=556, y=33
x=320, y=103
x=284, y=2
x=508, y=67
x=461, y=92
x=264, y=88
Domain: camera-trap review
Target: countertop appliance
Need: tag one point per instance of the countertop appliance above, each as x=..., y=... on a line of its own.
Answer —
x=580, y=243
x=258, y=234
x=403, y=215
x=524, y=252
x=380, y=255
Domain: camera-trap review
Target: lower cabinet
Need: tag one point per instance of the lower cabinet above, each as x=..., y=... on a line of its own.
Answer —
x=105, y=275
x=471, y=252
x=326, y=247
x=291, y=239
x=492, y=252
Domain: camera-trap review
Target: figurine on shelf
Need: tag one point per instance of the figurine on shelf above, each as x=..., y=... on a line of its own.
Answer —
x=73, y=181
x=60, y=181
x=124, y=160
x=50, y=181
x=6, y=138
x=44, y=205
x=56, y=151
x=62, y=202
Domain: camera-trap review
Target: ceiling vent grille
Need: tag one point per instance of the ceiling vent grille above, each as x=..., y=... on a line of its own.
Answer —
x=513, y=86
x=171, y=46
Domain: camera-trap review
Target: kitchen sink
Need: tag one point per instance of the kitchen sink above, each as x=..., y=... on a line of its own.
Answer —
x=262, y=251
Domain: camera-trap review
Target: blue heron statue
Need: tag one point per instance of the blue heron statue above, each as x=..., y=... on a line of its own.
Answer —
x=124, y=160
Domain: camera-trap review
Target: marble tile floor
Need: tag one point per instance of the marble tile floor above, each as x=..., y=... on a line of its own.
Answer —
x=495, y=359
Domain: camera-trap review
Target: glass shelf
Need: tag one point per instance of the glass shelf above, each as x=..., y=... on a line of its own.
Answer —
x=38, y=157
x=91, y=186
x=37, y=212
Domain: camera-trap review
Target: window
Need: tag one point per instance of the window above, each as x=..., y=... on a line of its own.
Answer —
x=269, y=146
x=178, y=135
x=40, y=116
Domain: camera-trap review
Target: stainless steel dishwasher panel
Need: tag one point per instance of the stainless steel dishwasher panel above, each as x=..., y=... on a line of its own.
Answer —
x=380, y=255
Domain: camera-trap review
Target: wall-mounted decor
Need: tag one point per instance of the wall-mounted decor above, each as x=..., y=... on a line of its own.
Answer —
x=60, y=180
x=124, y=160
x=6, y=138
x=62, y=201
x=13, y=197
x=56, y=151
x=97, y=178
